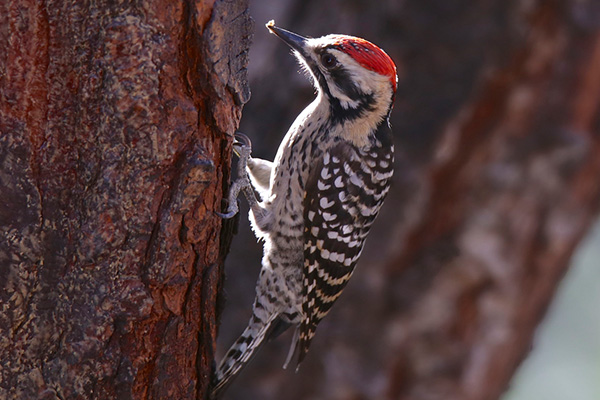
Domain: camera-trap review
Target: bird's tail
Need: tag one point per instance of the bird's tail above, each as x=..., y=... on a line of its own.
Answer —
x=241, y=352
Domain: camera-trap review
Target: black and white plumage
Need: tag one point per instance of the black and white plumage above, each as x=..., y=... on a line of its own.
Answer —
x=349, y=185
x=320, y=195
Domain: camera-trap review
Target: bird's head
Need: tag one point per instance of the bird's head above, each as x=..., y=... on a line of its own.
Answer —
x=356, y=77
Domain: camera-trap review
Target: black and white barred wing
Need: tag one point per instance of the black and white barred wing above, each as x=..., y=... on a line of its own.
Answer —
x=343, y=196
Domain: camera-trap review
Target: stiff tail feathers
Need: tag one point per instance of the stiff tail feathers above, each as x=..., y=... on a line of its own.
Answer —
x=303, y=335
x=240, y=353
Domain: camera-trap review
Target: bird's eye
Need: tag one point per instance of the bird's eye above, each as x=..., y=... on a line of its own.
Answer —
x=328, y=60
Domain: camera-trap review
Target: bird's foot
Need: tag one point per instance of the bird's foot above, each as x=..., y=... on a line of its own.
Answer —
x=242, y=146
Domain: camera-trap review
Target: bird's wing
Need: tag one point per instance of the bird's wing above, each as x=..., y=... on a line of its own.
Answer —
x=342, y=198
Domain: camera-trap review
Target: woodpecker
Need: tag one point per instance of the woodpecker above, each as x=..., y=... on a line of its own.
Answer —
x=321, y=194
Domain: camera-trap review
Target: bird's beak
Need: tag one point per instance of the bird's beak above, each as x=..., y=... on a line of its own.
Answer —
x=292, y=39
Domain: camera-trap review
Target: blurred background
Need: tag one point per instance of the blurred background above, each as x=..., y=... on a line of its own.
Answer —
x=496, y=126
x=565, y=359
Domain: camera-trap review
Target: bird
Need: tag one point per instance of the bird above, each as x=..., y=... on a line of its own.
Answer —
x=320, y=195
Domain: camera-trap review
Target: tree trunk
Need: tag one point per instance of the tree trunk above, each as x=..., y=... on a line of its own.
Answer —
x=116, y=124
x=497, y=130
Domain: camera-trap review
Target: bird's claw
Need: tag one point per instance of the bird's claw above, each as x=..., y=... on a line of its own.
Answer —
x=242, y=146
x=231, y=211
x=234, y=191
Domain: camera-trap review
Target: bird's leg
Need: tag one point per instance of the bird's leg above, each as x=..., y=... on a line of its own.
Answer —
x=242, y=146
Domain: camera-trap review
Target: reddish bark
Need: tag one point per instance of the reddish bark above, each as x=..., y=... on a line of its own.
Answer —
x=116, y=123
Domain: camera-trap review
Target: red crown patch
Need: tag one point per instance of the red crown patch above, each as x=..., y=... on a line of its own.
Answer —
x=368, y=55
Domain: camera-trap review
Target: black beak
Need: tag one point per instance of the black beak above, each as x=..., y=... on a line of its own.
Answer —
x=293, y=40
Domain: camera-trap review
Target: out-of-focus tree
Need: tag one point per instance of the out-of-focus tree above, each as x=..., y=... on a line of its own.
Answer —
x=497, y=130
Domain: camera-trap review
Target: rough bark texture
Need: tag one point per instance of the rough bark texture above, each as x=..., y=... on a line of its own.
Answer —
x=115, y=141
x=497, y=126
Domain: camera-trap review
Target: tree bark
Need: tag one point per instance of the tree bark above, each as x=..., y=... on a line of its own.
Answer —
x=497, y=130
x=116, y=124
